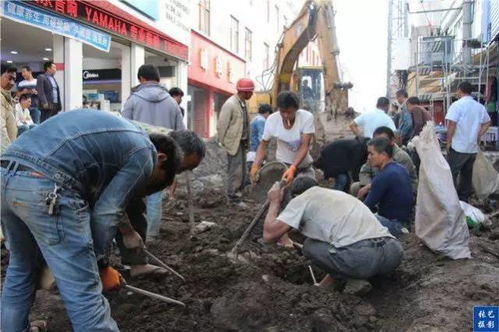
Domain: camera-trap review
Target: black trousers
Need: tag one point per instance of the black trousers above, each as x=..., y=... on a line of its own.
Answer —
x=136, y=214
x=49, y=112
x=461, y=164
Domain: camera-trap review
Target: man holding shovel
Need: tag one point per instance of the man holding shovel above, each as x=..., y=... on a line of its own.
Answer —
x=66, y=186
x=343, y=237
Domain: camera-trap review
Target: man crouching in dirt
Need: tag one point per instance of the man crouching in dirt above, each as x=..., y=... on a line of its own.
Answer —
x=66, y=186
x=193, y=151
x=344, y=238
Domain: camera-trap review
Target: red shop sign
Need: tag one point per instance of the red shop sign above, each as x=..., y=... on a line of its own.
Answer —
x=103, y=15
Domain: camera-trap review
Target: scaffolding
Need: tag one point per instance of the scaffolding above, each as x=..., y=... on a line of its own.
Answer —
x=398, y=29
x=441, y=66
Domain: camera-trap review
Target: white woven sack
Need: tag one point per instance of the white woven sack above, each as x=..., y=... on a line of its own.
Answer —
x=440, y=221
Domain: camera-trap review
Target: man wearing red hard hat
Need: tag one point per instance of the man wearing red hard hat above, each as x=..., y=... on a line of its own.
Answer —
x=233, y=135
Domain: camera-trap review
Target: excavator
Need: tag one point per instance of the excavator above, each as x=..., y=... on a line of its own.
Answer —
x=320, y=88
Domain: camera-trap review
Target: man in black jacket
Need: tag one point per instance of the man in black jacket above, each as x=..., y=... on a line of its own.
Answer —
x=340, y=157
x=49, y=95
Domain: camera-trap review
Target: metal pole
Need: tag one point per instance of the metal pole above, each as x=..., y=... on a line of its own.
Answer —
x=153, y=295
x=160, y=262
x=467, y=21
x=389, y=50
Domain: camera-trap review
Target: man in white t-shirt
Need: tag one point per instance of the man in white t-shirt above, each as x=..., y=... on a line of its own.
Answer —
x=344, y=238
x=370, y=121
x=468, y=121
x=28, y=87
x=293, y=128
x=23, y=117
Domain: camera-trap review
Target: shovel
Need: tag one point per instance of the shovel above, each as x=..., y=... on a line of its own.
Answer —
x=253, y=223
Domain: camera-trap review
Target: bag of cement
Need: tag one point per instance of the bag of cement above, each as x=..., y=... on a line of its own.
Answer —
x=440, y=220
x=474, y=217
x=485, y=178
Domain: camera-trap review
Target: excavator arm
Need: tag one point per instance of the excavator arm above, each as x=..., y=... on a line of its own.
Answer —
x=315, y=20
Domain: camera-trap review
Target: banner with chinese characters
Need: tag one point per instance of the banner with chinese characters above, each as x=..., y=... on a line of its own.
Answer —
x=19, y=12
x=106, y=16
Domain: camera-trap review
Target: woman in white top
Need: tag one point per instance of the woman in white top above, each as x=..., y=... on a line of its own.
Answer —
x=294, y=129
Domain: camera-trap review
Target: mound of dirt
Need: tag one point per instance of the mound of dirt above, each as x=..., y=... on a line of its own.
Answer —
x=273, y=290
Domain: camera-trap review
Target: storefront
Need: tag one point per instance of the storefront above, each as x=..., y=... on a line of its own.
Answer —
x=97, y=46
x=212, y=76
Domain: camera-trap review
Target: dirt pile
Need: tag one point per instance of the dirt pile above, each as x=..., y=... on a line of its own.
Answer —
x=274, y=291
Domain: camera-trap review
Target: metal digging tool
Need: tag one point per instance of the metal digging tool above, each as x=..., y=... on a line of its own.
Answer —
x=160, y=262
x=190, y=204
x=152, y=295
x=251, y=226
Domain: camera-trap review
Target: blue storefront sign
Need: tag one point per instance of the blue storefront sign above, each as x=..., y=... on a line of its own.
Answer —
x=19, y=12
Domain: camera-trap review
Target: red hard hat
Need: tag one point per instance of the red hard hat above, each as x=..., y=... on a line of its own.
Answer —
x=245, y=84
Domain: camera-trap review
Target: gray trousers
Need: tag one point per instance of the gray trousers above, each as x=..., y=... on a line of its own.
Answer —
x=360, y=260
x=236, y=173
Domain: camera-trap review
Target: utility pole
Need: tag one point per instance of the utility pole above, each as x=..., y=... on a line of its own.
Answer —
x=467, y=21
x=389, y=50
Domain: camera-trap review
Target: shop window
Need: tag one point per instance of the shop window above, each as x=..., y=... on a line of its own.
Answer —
x=234, y=34
x=248, y=47
x=204, y=16
x=278, y=27
x=266, y=50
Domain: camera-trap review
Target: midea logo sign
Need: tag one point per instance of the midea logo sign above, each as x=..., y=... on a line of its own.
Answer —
x=87, y=75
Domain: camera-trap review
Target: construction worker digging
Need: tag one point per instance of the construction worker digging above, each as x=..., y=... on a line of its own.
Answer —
x=344, y=238
x=66, y=187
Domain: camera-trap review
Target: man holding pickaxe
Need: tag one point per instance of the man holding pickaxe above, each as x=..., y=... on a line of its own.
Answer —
x=66, y=187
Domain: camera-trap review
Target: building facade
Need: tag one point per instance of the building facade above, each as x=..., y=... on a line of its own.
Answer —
x=444, y=43
x=239, y=38
x=98, y=46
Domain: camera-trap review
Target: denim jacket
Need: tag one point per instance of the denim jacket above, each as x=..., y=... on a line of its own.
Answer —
x=100, y=157
x=256, y=131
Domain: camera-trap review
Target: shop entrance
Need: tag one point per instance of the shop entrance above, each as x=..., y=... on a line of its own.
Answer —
x=25, y=45
x=102, y=77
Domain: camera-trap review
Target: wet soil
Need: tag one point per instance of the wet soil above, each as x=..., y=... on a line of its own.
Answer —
x=270, y=288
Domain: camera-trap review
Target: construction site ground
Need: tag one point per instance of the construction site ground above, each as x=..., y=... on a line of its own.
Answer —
x=271, y=289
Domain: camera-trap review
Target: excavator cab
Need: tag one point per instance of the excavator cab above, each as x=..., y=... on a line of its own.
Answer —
x=310, y=88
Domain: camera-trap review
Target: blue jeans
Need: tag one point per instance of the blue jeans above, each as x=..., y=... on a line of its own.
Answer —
x=63, y=240
x=394, y=226
x=35, y=114
x=341, y=182
x=154, y=212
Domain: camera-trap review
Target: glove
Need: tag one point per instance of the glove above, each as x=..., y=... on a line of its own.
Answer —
x=111, y=279
x=289, y=175
x=253, y=171
x=132, y=240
